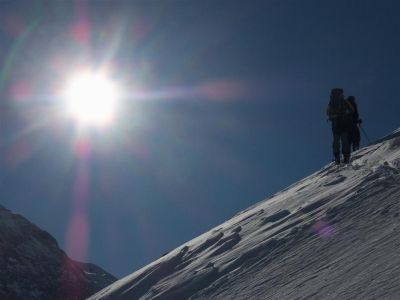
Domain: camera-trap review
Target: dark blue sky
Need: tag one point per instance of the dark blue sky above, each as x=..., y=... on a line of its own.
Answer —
x=242, y=89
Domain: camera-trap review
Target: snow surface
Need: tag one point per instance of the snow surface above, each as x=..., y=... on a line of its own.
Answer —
x=332, y=235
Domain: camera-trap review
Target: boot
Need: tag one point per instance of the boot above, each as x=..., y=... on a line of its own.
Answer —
x=337, y=159
x=346, y=158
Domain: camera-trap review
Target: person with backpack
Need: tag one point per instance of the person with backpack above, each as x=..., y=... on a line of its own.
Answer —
x=339, y=112
x=354, y=133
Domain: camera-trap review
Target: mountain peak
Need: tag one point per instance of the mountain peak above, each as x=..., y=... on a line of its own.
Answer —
x=332, y=235
x=34, y=267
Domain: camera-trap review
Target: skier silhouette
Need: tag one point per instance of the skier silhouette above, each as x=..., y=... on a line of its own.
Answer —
x=339, y=112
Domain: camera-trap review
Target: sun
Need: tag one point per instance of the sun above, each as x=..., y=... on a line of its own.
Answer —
x=91, y=99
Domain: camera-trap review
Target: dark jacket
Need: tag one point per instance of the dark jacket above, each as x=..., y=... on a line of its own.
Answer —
x=354, y=116
x=342, y=121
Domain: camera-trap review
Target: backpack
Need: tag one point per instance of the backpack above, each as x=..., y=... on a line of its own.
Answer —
x=338, y=106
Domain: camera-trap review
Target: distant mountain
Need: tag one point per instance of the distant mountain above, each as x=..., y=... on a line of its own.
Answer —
x=32, y=266
x=332, y=235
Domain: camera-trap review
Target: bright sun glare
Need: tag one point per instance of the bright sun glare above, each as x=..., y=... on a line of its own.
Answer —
x=91, y=98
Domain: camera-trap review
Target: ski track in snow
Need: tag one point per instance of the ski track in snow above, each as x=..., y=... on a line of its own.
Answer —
x=332, y=235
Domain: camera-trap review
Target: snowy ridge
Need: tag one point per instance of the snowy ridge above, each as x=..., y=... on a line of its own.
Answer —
x=32, y=266
x=332, y=235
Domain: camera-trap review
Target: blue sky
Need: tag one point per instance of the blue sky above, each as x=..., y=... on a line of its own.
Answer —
x=241, y=90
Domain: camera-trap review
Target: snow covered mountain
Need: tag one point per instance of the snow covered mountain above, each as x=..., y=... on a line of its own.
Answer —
x=32, y=266
x=332, y=235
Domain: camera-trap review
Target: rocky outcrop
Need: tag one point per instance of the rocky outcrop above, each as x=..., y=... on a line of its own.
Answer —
x=32, y=266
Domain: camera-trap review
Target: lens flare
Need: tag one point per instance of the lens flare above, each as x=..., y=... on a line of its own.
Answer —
x=91, y=99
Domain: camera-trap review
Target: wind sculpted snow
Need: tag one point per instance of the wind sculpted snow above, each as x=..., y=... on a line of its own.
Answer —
x=333, y=235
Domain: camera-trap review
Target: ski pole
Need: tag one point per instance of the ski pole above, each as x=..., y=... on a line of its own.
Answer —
x=366, y=135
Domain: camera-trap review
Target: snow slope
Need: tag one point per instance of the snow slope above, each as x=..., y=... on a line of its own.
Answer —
x=32, y=266
x=332, y=235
